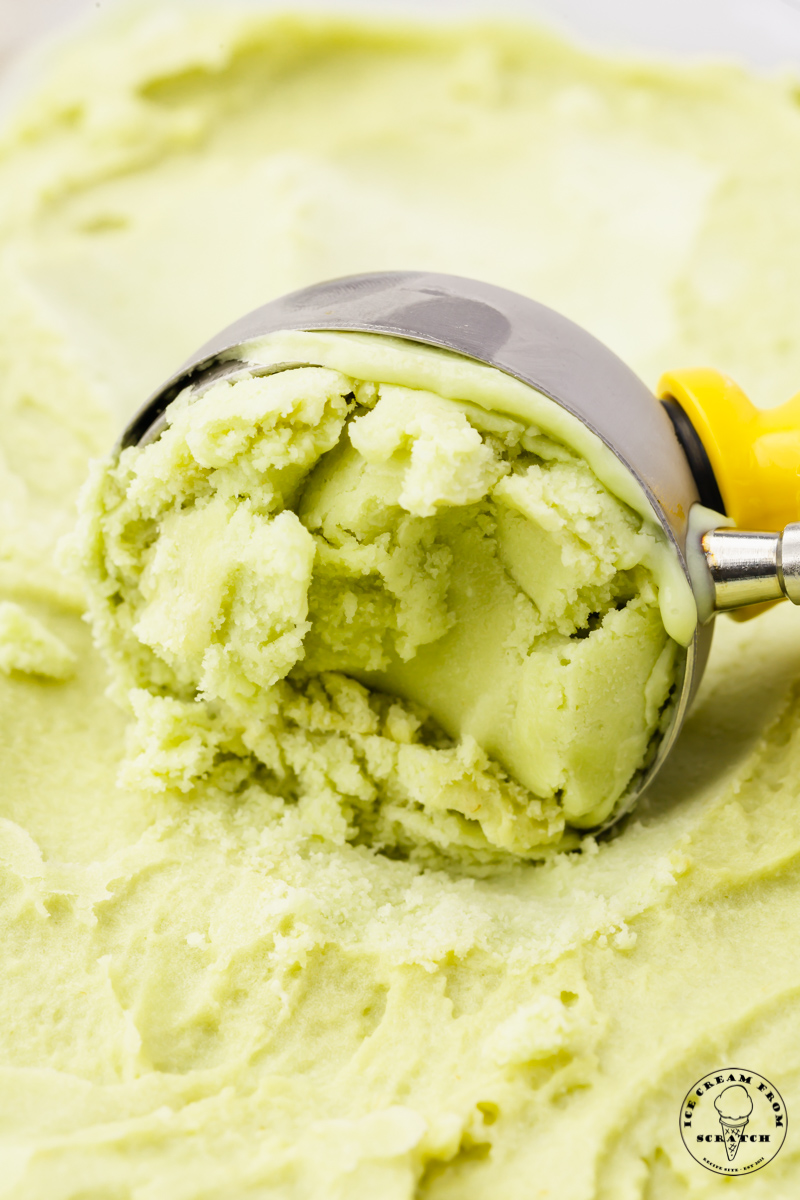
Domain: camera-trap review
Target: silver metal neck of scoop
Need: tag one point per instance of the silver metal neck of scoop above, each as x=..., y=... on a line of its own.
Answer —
x=751, y=568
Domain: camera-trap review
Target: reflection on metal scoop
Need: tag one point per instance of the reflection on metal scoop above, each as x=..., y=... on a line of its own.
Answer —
x=701, y=455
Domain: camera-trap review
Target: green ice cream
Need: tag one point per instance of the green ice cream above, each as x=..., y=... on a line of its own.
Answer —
x=422, y=621
x=288, y=975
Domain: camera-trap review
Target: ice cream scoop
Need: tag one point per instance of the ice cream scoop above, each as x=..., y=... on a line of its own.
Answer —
x=699, y=461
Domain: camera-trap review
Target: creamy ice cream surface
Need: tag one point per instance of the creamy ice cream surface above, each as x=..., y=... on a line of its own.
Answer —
x=299, y=918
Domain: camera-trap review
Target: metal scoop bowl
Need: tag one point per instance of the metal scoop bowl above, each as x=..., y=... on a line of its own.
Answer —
x=655, y=440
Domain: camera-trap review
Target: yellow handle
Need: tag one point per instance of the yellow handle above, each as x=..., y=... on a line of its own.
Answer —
x=754, y=453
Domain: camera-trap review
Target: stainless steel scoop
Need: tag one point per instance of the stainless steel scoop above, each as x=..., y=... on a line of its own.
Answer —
x=655, y=441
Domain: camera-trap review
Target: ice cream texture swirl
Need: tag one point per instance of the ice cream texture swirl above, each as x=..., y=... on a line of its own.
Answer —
x=200, y=997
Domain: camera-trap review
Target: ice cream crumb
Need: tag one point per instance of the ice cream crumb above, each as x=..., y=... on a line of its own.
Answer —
x=27, y=646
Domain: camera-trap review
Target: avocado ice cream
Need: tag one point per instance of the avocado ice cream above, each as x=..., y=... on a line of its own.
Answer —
x=419, y=620
x=214, y=987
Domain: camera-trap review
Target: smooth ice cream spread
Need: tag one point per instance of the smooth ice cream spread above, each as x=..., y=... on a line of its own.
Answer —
x=298, y=917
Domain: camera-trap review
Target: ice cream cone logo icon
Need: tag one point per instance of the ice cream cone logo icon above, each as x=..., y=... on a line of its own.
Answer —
x=734, y=1106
